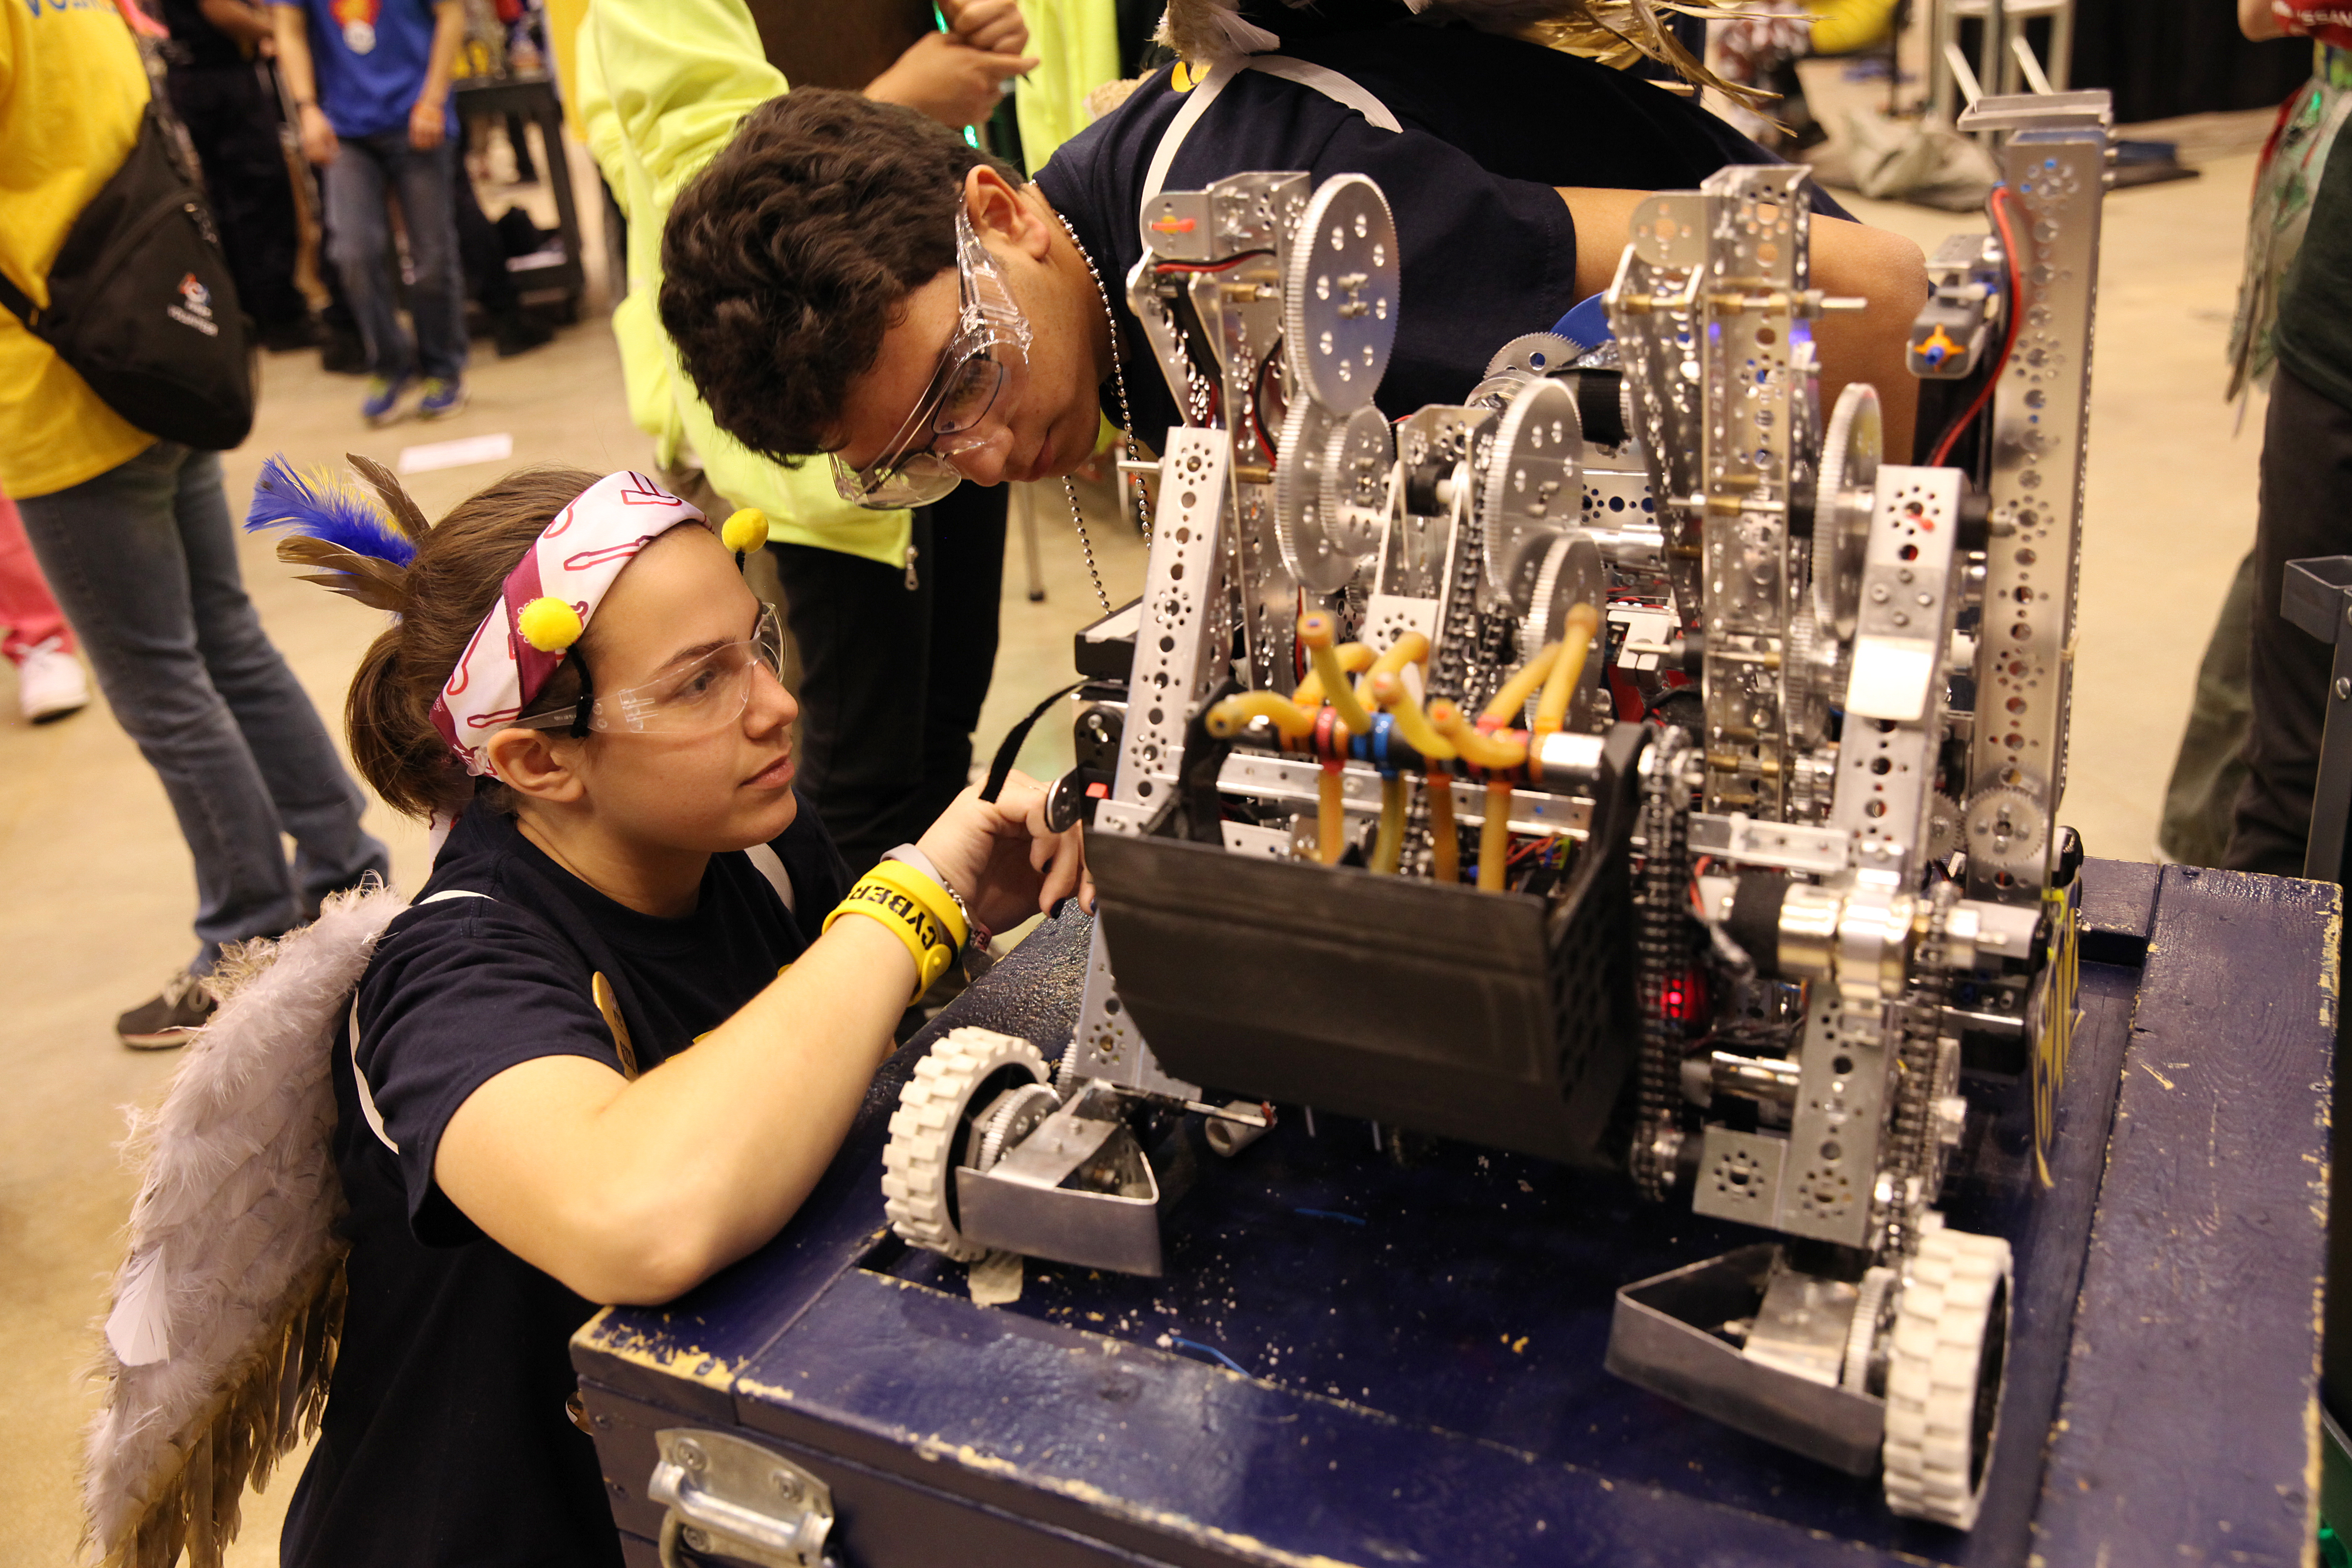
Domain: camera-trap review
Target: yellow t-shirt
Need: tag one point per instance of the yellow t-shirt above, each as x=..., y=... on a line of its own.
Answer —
x=71, y=93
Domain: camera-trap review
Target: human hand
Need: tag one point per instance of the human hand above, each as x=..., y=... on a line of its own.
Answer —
x=319, y=141
x=429, y=126
x=1000, y=858
x=952, y=82
x=987, y=24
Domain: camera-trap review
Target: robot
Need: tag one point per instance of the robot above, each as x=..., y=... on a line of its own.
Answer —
x=1708, y=759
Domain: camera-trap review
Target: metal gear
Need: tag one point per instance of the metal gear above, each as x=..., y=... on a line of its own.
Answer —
x=1843, y=499
x=1535, y=353
x=2006, y=828
x=1572, y=573
x=930, y=1130
x=1322, y=548
x=1812, y=687
x=1943, y=827
x=1861, y=1336
x=1339, y=293
x=1530, y=488
x=1951, y=1325
x=1012, y=1117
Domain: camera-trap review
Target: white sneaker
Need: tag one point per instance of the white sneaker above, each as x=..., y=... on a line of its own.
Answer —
x=50, y=683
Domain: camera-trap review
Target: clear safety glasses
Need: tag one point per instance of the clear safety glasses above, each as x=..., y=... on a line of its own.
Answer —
x=984, y=364
x=709, y=693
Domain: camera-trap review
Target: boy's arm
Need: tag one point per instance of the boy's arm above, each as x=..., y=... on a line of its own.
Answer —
x=428, y=124
x=292, y=24
x=1848, y=258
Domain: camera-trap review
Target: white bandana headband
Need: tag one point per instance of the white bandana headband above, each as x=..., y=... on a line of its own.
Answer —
x=546, y=604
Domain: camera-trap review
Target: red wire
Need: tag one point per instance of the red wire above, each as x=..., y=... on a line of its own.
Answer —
x=2000, y=196
x=1207, y=266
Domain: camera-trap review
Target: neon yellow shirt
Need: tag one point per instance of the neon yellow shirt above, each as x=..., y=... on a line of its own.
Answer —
x=662, y=85
x=1076, y=46
x=71, y=93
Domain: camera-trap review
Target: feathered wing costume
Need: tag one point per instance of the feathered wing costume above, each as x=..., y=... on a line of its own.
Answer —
x=228, y=1306
x=1617, y=33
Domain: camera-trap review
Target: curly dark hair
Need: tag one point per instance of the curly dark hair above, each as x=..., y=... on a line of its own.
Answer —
x=784, y=260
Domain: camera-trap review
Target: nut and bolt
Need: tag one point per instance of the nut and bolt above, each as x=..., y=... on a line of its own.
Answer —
x=691, y=1457
x=2344, y=688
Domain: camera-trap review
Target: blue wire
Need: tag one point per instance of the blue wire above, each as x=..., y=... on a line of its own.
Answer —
x=1209, y=1350
x=1331, y=1214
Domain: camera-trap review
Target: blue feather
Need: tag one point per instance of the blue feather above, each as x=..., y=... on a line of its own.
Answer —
x=325, y=508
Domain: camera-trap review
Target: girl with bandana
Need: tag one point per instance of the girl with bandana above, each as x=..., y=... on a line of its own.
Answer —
x=580, y=684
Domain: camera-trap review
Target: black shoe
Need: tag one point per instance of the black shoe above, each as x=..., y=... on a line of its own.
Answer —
x=288, y=336
x=520, y=333
x=170, y=1019
x=343, y=353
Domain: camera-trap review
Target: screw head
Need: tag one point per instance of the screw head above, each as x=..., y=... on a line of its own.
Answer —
x=787, y=1488
x=2344, y=688
x=690, y=1455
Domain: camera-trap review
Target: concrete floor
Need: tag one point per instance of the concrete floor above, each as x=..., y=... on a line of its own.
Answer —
x=99, y=891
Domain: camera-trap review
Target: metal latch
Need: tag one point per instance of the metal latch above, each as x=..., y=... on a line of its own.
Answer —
x=733, y=1499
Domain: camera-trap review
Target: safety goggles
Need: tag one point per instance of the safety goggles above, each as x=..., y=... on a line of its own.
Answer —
x=985, y=361
x=707, y=694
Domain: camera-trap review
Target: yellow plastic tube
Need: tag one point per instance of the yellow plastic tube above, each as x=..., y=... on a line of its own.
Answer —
x=1497, y=753
x=1494, y=839
x=1410, y=647
x=1445, y=842
x=1559, y=683
x=1388, y=690
x=1353, y=657
x=1504, y=707
x=1388, y=848
x=1228, y=717
x=1317, y=631
x=1330, y=816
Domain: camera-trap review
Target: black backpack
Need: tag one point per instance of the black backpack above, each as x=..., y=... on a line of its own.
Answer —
x=142, y=305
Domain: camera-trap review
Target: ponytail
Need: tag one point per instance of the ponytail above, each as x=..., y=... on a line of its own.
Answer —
x=452, y=574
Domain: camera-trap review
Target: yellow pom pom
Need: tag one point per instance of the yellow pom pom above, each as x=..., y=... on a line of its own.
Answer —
x=745, y=532
x=549, y=626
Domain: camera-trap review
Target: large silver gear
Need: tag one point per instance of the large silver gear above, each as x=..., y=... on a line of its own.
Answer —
x=1843, y=501
x=1532, y=490
x=1939, y=1423
x=1572, y=573
x=1330, y=493
x=931, y=1125
x=1339, y=293
x=1534, y=353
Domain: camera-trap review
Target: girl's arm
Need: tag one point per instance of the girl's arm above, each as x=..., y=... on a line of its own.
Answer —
x=633, y=1192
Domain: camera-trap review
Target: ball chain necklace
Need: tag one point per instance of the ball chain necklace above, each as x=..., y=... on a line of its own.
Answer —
x=1127, y=420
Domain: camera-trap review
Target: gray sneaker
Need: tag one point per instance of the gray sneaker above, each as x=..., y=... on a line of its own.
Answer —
x=168, y=1019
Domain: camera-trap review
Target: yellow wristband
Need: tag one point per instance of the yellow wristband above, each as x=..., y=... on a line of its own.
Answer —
x=936, y=900
x=926, y=939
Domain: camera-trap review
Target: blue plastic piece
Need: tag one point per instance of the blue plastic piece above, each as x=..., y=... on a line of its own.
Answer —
x=1587, y=325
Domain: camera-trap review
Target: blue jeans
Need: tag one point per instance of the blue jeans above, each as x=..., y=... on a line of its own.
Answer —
x=358, y=242
x=144, y=560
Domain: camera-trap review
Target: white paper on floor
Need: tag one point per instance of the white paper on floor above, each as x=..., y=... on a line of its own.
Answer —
x=456, y=454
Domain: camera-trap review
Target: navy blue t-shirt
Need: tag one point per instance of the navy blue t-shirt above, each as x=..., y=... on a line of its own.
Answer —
x=446, y=1438
x=1490, y=126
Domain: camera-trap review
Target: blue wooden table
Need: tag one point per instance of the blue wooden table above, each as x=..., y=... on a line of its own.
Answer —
x=1354, y=1360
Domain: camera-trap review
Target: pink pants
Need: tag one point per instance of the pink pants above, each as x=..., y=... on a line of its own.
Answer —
x=28, y=616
